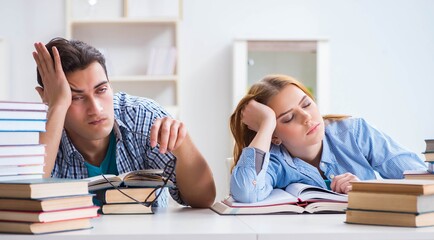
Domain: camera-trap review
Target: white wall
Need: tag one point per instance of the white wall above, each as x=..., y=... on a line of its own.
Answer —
x=382, y=59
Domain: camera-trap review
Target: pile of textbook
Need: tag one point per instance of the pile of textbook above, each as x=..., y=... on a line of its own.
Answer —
x=429, y=159
x=21, y=155
x=45, y=205
x=392, y=202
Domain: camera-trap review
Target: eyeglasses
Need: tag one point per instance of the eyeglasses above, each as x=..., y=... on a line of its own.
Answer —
x=168, y=170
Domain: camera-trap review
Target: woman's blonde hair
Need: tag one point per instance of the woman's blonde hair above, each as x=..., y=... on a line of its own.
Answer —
x=262, y=91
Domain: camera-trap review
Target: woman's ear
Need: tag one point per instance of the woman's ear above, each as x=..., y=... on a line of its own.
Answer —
x=40, y=91
x=276, y=141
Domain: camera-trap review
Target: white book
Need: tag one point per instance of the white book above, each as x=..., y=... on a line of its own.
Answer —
x=151, y=62
x=16, y=138
x=20, y=150
x=23, y=114
x=26, y=169
x=22, y=160
x=170, y=61
x=20, y=177
x=22, y=125
x=10, y=105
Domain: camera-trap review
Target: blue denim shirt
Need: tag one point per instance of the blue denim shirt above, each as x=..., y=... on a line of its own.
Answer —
x=349, y=145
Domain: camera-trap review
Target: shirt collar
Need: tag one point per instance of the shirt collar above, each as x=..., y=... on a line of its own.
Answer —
x=327, y=156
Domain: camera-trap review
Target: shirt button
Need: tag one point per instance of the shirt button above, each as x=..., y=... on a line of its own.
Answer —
x=254, y=182
x=322, y=164
x=332, y=176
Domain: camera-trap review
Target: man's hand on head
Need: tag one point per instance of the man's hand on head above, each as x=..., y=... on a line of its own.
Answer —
x=56, y=90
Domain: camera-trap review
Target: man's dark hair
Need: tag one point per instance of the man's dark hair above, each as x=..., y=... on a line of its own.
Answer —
x=74, y=55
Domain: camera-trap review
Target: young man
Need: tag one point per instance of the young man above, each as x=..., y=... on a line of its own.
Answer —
x=90, y=130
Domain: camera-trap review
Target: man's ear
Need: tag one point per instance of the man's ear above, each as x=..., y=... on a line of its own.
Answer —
x=40, y=91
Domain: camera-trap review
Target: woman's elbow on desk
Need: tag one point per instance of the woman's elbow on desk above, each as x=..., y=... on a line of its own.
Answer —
x=243, y=189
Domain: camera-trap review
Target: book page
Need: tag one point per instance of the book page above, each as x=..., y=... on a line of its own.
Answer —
x=308, y=193
x=277, y=196
x=100, y=179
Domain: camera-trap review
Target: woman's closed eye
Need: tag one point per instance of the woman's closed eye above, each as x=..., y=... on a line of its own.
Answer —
x=306, y=104
x=288, y=118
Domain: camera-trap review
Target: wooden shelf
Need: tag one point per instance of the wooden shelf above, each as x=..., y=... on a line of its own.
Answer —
x=144, y=78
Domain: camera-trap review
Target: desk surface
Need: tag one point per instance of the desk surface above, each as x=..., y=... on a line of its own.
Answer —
x=186, y=223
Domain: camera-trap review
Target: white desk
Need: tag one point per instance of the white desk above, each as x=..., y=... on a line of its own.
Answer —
x=327, y=227
x=167, y=224
x=186, y=223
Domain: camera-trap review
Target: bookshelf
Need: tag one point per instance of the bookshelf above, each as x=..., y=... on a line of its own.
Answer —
x=4, y=81
x=139, y=39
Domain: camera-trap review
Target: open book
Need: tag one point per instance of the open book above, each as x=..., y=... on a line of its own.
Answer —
x=138, y=178
x=295, y=198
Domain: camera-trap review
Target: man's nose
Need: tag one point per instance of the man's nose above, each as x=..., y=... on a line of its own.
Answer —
x=95, y=106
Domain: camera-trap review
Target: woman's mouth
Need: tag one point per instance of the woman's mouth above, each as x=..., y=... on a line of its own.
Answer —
x=313, y=129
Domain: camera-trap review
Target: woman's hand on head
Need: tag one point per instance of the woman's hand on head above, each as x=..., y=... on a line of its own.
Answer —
x=56, y=89
x=342, y=183
x=257, y=115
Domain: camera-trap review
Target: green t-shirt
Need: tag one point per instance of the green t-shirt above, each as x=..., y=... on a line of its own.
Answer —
x=108, y=165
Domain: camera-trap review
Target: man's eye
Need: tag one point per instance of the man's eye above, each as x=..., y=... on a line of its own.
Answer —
x=102, y=90
x=76, y=98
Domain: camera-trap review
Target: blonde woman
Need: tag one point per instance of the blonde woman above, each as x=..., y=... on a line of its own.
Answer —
x=281, y=138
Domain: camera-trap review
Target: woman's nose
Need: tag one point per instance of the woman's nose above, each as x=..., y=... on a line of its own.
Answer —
x=306, y=117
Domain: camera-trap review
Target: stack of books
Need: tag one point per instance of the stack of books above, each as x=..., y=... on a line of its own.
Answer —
x=427, y=174
x=21, y=155
x=115, y=201
x=45, y=205
x=429, y=154
x=392, y=202
x=138, y=185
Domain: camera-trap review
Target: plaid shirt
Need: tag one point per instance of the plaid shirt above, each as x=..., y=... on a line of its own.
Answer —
x=133, y=120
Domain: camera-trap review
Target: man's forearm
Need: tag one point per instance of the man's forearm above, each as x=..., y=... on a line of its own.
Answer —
x=51, y=138
x=193, y=175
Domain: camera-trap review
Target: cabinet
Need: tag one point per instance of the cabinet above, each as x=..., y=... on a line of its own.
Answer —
x=306, y=59
x=139, y=40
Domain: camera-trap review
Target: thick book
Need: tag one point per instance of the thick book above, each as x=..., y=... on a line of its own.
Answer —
x=126, y=208
x=20, y=177
x=429, y=145
x=429, y=156
x=418, y=175
x=48, y=216
x=22, y=125
x=391, y=202
x=400, y=219
x=116, y=196
x=21, y=169
x=296, y=198
x=23, y=114
x=46, y=204
x=138, y=178
x=33, y=106
x=405, y=186
x=22, y=160
x=40, y=228
x=20, y=150
x=43, y=188
x=19, y=138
